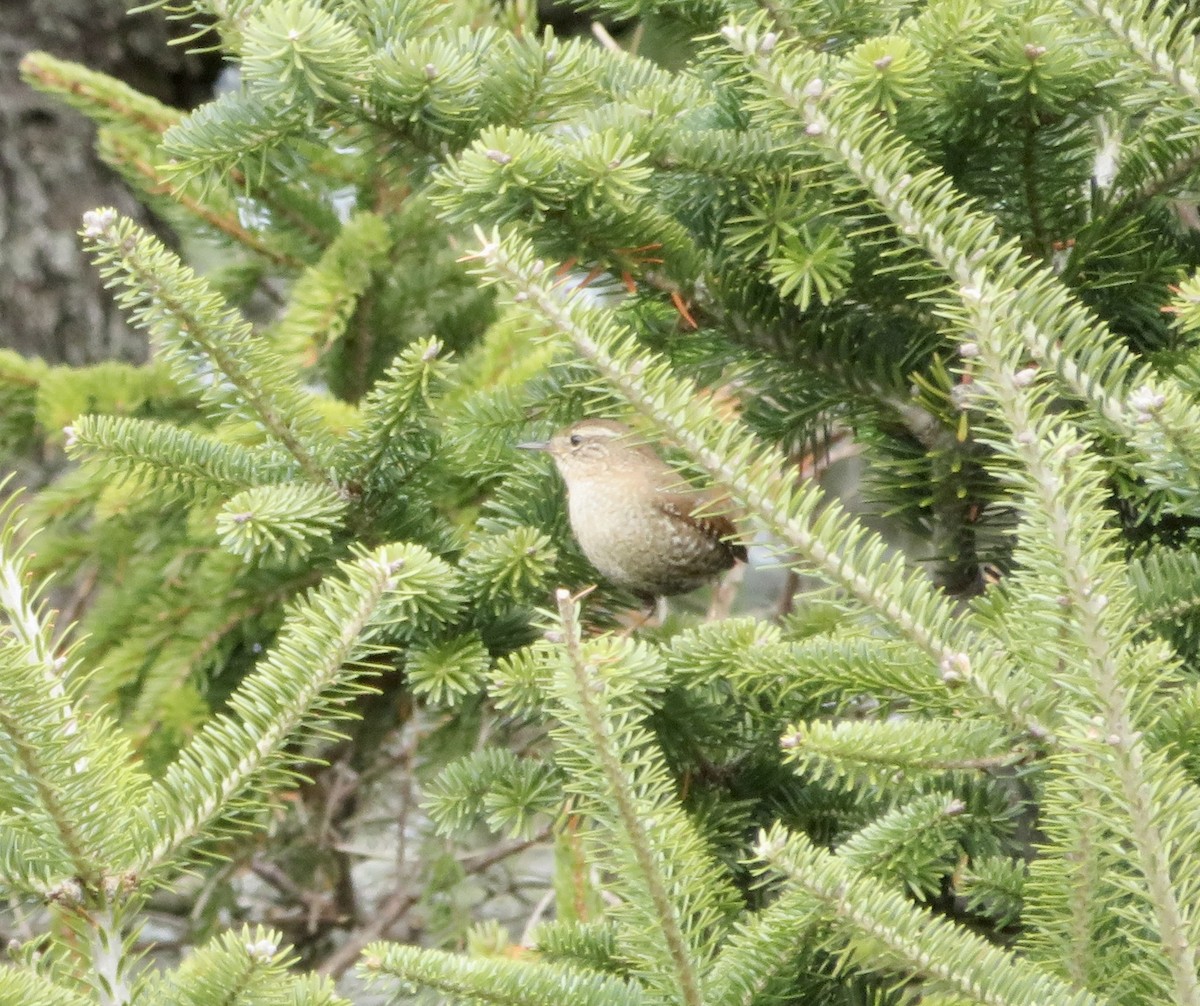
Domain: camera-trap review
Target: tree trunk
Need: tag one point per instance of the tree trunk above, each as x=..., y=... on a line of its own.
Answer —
x=52, y=303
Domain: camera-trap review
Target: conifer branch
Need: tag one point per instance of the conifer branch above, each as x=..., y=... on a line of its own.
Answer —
x=109, y=962
x=31, y=649
x=910, y=844
x=1167, y=582
x=242, y=966
x=219, y=214
x=82, y=863
x=1168, y=177
x=1152, y=35
x=1151, y=413
x=832, y=195
x=132, y=126
x=947, y=957
x=496, y=980
x=471, y=786
x=755, y=660
x=761, y=948
x=193, y=642
x=628, y=812
x=1062, y=507
x=280, y=521
x=299, y=54
x=73, y=762
x=324, y=296
x=24, y=986
x=869, y=753
x=511, y=567
x=181, y=310
x=165, y=453
x=234, y=133
x=308, y=675
x=102, y=98
x=399, y=397
x=1066, y=888
x=843, y=550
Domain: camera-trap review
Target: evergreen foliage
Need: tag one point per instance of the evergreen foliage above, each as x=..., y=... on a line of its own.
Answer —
x=961, y=232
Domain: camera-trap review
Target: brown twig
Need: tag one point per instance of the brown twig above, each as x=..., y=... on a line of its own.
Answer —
x=787, y=596
x=317, y=907
x=76, y=604
x=725, y=593
x=404, y=898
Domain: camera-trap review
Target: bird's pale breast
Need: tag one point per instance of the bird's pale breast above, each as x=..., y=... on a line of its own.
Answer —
x=638, y=546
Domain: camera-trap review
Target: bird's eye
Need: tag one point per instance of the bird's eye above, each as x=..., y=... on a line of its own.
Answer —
x=576, y=440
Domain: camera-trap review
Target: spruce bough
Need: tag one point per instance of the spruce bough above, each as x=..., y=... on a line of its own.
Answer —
x=958, y=231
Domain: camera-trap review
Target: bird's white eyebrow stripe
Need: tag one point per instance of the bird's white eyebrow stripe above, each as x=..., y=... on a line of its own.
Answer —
x=600, y=431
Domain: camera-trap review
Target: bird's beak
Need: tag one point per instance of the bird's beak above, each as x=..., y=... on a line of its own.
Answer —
x=534, y=445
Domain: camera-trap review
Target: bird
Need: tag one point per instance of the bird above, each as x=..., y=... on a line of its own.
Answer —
x=633, y=516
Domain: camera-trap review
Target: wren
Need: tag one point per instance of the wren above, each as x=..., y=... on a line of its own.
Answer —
x=633, y=517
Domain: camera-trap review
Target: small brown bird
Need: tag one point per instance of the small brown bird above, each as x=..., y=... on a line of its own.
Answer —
x=632, y=516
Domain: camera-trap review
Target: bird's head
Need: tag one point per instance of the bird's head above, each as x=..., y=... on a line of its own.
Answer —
x=596, y=448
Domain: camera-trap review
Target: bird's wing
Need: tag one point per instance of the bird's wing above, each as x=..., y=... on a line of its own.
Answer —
x=684, y=507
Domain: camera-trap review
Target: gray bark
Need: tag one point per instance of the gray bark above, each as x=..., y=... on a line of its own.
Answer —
x=52, y=303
